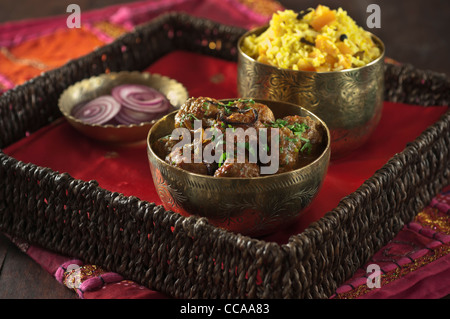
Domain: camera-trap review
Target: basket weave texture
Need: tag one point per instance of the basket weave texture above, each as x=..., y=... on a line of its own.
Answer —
x=187, y=257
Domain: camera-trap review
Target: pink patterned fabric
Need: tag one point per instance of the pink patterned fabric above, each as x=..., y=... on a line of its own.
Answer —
x=230, y=12
x=415, y=264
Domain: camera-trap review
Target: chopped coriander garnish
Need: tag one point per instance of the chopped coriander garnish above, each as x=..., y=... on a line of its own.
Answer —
x=306, y=146
x=250, y=149
x=247, y=146
x=222, y=158
x=298, y=127
x=287, y=138
x=279, y=123
x=192, y=117
x=247, y=101
x=189, y=115
x=305, y=139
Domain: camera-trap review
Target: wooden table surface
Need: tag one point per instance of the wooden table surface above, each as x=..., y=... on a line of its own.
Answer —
x=414, y=31
x=22, y=278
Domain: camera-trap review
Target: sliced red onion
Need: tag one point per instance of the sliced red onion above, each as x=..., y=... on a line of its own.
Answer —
x=124, y=117
x=140, y=98
x=127, y=104
x=97, y=111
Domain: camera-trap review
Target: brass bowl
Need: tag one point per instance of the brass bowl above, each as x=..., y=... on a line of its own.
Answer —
x=250, y=206
x=349, y=101
x=93, y=87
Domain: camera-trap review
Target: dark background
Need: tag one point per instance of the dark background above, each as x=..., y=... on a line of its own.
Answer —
x=414, y=31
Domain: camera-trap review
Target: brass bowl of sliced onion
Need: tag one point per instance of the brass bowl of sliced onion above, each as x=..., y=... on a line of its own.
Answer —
x=120, y=107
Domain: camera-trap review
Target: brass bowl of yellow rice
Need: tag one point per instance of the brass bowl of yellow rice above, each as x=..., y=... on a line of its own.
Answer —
x=321, y=60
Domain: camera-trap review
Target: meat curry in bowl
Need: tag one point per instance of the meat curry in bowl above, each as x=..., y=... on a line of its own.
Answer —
x=247, y=165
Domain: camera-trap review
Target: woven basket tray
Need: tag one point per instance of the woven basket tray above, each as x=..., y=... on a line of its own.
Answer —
x=187, y=257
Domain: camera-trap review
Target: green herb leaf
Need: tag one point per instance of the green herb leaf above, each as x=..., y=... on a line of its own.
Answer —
x=279, y=123
x=192, y=116
x=305, y=139
x=246, y=101
x=222, y=159
x=250, y=149
x=307, y=146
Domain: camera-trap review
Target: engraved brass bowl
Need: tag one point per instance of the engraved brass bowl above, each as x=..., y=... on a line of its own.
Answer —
x=93, y=87
x=250, y=206
x=349, y=101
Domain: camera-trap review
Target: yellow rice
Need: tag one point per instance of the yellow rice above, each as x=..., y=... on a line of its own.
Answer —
x=302, y=43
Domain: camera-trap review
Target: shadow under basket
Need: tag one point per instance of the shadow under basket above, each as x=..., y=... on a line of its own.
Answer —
x=205, y=261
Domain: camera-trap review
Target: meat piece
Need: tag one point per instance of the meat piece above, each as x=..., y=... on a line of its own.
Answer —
x=263, y=112
x=290, y=146
x=186, y=161
x=202, y=108
x=210, y=111
x=314, y=132
x=300, y=139
x=230, y=168
x=163, y=146
x=241, y=117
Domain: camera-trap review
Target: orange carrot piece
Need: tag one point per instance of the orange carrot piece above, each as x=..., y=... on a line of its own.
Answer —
x=343, y=48
x=323, y=17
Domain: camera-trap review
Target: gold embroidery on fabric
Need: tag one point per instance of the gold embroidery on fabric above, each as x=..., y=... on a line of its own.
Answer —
x=397, y=273
x=432, y=219
x=263, y=7
x=73, y=278
x=110, y=29
x=30, y=62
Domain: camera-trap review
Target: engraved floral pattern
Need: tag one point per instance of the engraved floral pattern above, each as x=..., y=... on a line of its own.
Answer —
x=171, y=197
x=273, y=211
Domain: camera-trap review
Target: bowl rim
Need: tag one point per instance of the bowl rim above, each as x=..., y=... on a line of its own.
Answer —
x=137, y=74
x=325, y=152
x=261, y=29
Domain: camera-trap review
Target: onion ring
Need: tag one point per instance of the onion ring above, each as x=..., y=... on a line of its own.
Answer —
x=97, y=111
x=140, y=98
x=127, y=104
